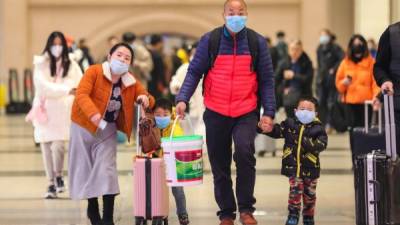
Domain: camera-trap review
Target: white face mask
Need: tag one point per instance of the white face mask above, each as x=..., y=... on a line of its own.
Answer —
x=56, y=50
x=305, y=116
x=118, y=67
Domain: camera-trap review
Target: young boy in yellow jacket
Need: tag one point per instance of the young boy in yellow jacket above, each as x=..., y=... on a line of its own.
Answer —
x=164, y=116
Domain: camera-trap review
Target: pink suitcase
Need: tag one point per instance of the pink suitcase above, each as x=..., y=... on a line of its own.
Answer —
x=151, y=195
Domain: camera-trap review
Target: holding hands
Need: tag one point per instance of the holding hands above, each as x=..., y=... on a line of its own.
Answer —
x=266, y=124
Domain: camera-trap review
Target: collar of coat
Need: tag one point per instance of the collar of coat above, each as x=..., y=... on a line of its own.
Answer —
x=127, y=79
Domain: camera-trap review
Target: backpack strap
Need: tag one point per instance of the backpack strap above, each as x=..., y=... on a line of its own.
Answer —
x=254, y=48
x=213, y=46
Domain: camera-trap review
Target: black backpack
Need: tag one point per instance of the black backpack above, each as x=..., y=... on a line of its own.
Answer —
x=214, y=42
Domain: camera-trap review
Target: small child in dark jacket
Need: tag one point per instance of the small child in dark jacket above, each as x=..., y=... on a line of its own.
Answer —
x=305, y=138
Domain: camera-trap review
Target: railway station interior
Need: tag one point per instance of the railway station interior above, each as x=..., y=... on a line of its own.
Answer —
x=91, y=27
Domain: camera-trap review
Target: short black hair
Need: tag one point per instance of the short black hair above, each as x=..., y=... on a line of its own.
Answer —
x=280, y=34
x=115, y=47
x=128, y=37
x=164, y=104
x=155, y=39
x=308, y=98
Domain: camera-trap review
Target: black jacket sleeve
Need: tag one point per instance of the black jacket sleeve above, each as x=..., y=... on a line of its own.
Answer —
x=277, y=131
x=317, y=143
x=383, y=57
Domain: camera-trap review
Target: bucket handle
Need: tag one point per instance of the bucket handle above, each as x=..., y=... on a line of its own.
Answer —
x=174, y=126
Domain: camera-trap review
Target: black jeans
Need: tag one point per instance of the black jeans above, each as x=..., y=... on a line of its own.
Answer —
x=326, y=93
x=220, y=130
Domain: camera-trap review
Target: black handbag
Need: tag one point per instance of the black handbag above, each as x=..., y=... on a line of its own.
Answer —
x=341, y=116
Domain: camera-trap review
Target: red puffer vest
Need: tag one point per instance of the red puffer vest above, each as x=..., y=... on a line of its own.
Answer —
x=231, y=86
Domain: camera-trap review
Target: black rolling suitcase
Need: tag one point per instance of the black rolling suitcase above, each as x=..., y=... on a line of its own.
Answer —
x=15, y=106
x=377, y=179
x=368, y=138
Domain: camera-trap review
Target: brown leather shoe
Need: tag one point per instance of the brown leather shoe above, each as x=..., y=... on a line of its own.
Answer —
x=247, y=219
x=227, y=221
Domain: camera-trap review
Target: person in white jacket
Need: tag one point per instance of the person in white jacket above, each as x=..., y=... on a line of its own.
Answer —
x=196, y=102
x=55, y=77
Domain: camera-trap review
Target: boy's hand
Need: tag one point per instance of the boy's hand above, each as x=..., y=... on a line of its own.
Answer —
x=266, y=124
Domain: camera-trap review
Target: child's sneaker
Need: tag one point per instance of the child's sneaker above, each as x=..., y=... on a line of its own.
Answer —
x=51, y=192
x=183, y=219
x=60, y=185
x=308, y=220
x=292, y=220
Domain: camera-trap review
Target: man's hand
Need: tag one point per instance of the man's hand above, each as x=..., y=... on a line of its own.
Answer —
x=180, y=109
x=288, y=74
x=144, y=100
x=266, y=124
x=388, y=86
x=376, y=104
x=96, y=118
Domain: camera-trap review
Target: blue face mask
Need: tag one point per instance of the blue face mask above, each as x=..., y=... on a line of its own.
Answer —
x=236, y=23
x=305, y=116
x=162, y=121
x=118, y=67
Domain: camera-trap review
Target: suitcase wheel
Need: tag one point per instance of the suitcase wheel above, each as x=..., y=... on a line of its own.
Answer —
x=140, y=221
x=157, y=221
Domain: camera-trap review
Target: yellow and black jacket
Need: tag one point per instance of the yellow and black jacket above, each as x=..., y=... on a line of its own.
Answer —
x=303, y=143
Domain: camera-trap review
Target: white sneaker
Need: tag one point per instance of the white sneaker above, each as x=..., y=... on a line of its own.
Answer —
x=51, y=192
x=60, y=185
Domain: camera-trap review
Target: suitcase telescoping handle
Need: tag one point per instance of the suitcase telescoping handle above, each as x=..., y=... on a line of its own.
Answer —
x=390, y=126
x=366, y=123
x=138, y=116
x=377, y=192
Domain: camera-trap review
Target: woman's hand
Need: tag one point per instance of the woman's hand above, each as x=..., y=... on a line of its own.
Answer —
x=144, y=100
x=346, y=81
x=96, y=119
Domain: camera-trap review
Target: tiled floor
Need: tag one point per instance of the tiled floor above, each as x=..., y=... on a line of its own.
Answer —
x=22, y=185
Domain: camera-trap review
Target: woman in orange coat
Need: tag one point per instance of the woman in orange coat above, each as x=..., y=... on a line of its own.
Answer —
x=355, y=81
x=104, y=103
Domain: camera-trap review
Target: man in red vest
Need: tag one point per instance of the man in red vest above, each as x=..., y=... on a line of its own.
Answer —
x=238, y=80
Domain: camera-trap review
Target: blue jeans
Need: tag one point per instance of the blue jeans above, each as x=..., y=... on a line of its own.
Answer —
x=180, y=200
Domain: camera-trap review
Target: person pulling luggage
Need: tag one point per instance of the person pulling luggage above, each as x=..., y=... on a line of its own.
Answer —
x=104, y=103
